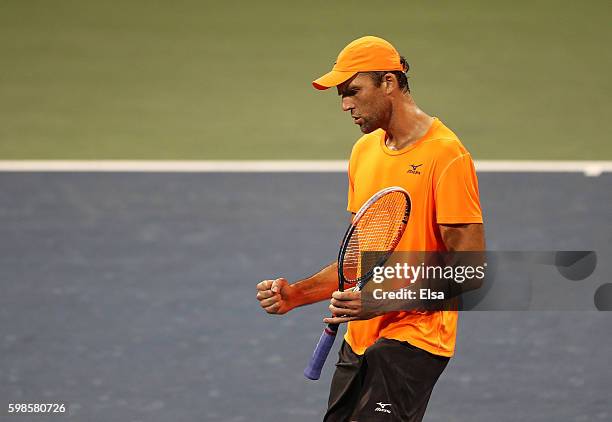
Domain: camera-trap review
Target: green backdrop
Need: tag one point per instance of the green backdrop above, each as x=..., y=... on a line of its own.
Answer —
x=231, y=80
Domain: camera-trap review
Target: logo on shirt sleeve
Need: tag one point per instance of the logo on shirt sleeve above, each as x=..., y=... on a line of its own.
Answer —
x=414, y=169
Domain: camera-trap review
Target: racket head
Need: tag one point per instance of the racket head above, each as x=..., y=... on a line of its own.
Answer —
x=377, y=229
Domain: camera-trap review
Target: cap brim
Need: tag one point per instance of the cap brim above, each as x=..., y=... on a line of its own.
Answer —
x=333, y=78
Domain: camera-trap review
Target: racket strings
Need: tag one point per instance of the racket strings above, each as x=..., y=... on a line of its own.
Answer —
x=378, y=231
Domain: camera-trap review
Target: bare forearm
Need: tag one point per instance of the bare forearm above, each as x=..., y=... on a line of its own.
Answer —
x=316, y=288
x=278, y=297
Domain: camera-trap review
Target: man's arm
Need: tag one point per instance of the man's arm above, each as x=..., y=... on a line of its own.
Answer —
x=463, y=237
x=347, y=306
x=279, y=297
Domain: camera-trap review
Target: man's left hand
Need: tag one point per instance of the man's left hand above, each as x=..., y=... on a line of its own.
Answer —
x=347, y=306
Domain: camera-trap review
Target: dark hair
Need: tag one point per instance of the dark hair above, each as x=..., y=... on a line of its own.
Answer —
x=402, y=77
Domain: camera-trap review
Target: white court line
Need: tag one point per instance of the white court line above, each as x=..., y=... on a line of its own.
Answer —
x=246, y=166
x=588, y=168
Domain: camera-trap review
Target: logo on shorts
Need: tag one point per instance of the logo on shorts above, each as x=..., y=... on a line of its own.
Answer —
x=414, y=168
x=381, y=407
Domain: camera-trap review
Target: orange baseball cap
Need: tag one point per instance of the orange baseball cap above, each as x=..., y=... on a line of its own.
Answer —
x=365, y=54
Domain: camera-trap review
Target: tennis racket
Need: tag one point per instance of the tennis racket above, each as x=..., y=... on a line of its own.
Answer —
x=377, y=227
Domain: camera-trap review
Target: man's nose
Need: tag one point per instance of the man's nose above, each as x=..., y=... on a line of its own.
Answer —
x=347, y=104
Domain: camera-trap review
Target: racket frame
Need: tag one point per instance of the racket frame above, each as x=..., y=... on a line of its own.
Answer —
x=313, y=370
x=361, y=281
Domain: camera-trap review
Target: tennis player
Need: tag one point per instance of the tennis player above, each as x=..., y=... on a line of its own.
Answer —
x=388, y=364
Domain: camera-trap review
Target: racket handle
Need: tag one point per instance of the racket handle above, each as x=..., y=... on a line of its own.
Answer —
x=313, y=370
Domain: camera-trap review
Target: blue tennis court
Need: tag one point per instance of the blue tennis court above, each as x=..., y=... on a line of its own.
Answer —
x=131, y=297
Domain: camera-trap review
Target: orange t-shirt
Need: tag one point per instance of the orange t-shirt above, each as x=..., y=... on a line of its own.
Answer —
x=439, y=174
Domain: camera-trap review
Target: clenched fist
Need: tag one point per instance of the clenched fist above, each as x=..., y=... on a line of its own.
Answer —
x=275, y=296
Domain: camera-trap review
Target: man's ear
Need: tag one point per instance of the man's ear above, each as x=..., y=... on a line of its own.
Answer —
x=390, y=82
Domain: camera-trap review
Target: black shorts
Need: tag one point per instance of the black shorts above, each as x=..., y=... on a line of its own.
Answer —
x=391, y=381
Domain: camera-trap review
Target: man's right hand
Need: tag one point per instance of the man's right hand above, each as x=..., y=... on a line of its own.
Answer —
x=275, y=296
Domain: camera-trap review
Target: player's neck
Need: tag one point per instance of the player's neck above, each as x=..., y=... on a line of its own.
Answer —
x=406, y=126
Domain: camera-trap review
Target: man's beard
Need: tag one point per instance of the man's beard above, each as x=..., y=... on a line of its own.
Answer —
x=368, y=126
